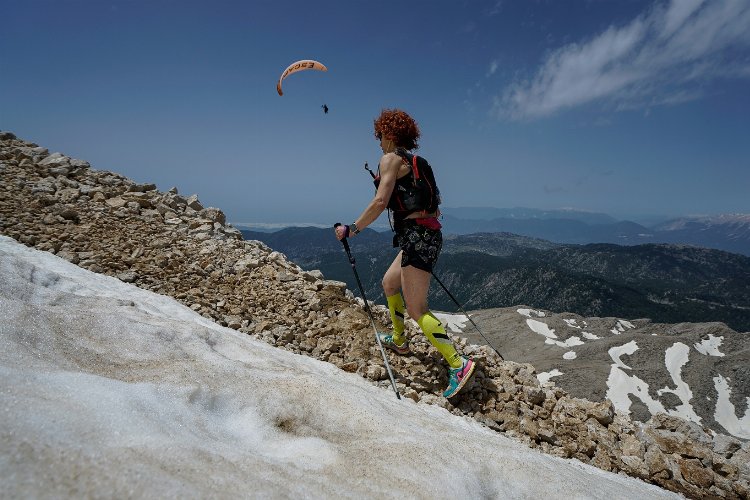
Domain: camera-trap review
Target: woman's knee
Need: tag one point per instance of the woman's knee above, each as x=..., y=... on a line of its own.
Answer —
x=390, y=286
x=416, y=311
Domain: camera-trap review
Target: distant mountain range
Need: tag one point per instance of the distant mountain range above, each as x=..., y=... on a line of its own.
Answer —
x=663, y=282
x=729, y=232
x=523, y=213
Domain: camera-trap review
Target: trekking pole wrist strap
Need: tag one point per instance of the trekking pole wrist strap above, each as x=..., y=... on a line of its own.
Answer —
x=353, y=228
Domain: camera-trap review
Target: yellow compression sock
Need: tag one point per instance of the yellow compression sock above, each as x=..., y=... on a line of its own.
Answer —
x=396, y=308
x=435, y=333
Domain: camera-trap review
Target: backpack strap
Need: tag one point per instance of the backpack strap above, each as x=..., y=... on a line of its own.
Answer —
x=415, y=172
x=407, y=156
x=415, y=169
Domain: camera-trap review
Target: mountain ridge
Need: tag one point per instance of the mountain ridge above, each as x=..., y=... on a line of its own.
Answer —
x=729, y=232
x=667, y=282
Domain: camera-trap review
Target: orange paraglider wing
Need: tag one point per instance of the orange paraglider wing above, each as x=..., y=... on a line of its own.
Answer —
x=302, y=65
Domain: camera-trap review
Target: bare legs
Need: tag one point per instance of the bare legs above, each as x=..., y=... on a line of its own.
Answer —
x=415, y=284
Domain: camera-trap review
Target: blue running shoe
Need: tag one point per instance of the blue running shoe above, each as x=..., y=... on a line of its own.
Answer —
x=458, y=377
x=388, y=342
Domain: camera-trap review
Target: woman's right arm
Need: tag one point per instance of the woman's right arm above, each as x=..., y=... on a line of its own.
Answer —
x=389, y=165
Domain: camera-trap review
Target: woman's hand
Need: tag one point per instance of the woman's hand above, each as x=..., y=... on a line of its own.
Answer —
x=342, y=231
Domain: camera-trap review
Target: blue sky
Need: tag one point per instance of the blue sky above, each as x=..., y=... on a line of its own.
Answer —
x=624, y=107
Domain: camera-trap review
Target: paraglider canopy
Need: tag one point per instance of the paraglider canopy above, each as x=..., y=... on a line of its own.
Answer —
x=302, y=65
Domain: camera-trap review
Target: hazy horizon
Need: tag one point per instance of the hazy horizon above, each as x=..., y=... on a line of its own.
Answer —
x=382, y=223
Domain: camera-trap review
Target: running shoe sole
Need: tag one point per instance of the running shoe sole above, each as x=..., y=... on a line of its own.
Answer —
x=464, y=381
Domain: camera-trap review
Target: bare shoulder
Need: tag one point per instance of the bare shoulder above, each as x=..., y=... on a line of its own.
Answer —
x=390, y=161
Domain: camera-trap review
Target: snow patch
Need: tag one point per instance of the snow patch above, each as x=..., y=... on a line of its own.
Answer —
x=572, y=323
x=710, y=346
x=570, y=342
x=675, y=358
x=544, y=329
x=590, y=336
x=545, y=377
x=530, y=312
x=541, y=328
x=617, y=351
x=621, y=325
x=725, y=412
x=570, y=355
x=455, y=323
x=620, y=384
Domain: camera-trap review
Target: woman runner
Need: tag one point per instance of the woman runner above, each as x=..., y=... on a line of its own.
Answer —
x=420, y=239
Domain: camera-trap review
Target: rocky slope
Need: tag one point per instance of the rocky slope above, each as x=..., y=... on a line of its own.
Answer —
x=173, y=245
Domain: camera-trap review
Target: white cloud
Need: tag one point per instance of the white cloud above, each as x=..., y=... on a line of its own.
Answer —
x=677, y=14
x=652, y=60
x=493, y=68
x=495, y=10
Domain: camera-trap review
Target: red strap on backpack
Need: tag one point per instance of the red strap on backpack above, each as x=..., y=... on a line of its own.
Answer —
x=416, y=176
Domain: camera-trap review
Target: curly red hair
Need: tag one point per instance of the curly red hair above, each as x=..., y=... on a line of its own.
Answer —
x=398, y=126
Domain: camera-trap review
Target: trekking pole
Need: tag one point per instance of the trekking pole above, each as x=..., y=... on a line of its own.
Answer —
x=369, y=312
x=467, y=316
x=367, y=167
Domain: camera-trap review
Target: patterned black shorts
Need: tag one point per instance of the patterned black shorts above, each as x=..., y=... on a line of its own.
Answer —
x=420, y=245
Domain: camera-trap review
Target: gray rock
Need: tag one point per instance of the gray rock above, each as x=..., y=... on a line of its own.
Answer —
x=68, y=195
x=246, y=264
x=233, y=322
x=313, y=276
x=69, y=213
x=127, y=276
x=193, y=203
x=69, y=256
x=43, y=187
x=726, y=445
x=214, y=215
x=140, y=198
x=60, y=170
x=284, y=277
x=55, y=159
x=79, y=163
x=141, y=188
x=116, y=202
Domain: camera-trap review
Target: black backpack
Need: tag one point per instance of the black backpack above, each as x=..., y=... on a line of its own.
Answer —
x=417, y=192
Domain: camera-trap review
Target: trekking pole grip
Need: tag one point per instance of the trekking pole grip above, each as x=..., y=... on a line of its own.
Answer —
x=344, y=242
